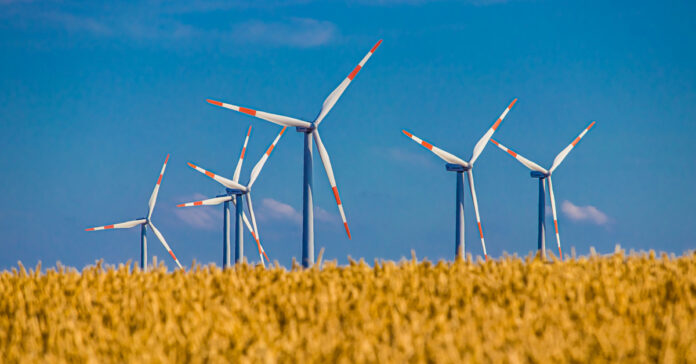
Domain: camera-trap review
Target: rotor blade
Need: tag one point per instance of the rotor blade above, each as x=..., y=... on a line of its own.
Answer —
x=329, y=172
x=336, y=94
x=220, y=179
x=445, y=156
x=164, y=242
x=481, y=144
x=238, y=169
x=246, y=222
x=153, y=197
x=476, y=209
x=262, y=252
x=277, y=119
x=526, y=162
x=561, y=156
x=259, y=165
x=209, y=202
x=555, y=219
x=122, y=225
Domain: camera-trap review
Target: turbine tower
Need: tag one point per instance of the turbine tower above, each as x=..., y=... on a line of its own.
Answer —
x=456, y=164
x=234, y=193
x=144, y=223
x=310, y=130
x=543, y=175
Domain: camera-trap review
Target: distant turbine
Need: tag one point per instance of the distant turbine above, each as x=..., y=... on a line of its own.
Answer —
x=458, y=165
x=542, y=174
x=144, y=222
x=310, y=129
x=235, y=192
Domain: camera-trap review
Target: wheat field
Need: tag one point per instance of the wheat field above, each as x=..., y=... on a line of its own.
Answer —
x=630, y=308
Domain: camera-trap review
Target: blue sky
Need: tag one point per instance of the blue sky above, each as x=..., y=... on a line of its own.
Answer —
x=94, y=96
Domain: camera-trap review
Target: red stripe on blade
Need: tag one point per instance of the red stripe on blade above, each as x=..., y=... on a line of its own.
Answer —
x=407, y=133
x=555, y=223
x=497, y=123
x=427, y=145
x=159, y=180
x=90, y=229
x=512, y=153
x=345, y=224
x=197, y=203
x=172, y=254
x=376, y=46
x=243, y=150
x=355, y=72
x=270, y=149
x=218, y=103
x=480, y=230
x=108, y=227
x=247, y=111
x=210, y=174
x=335, y=191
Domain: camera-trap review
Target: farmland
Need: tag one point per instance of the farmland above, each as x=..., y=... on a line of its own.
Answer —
x=638, y=307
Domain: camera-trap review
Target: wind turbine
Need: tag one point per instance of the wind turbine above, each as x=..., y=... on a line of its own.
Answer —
x=310, y=129
x=144, y=223
x=543, y=174
x=234, y=192
x=456, y=164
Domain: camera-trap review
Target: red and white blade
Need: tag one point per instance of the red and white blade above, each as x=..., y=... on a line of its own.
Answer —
x=257, y=237
x=481, y=144
x=153, y=197
x=164, y=243
x=526, y=162
x=259, y=165
x=209, y=202
x=220, y=179
x=332, y=181
x=121, y=225
x=336, y=94
x=276, y=119
x=476, y=210
x=445, y=156
x=561, y=156
x=555, y=218
x=238, y=169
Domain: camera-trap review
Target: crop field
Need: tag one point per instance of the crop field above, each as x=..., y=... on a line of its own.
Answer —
x=638, y=308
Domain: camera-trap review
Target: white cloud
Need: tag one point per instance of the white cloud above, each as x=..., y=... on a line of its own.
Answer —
x=408, y=156
x=584, y=213
x=275, y=210
x=199, y=217
x=296, y=32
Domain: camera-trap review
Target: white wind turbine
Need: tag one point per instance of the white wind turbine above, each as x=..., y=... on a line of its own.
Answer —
x=543, y=174
x=310, y=129
x=234, y=193
x=144, y=222
x=458, y=165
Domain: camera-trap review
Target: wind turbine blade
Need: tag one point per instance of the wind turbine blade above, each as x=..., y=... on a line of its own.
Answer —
x=246, y=221
x=259, y=165
x=262, y=252
x=276, y=119
x=329, y=172
x=122, y=225
x=445, y=156
x=164, y=242
x=220, y=179
x=209, y=202
x=336, y=94
x=476, y=210
x=153, y=197
x=526, y=162
x=238, y=169
x=555, y=219
x=481, y=144
x=561, y=156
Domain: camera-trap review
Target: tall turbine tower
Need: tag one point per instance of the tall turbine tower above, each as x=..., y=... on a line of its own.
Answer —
x=144, y=223
x=456, y=164
x=234, y=192
x=310, y=130
x=542, y=175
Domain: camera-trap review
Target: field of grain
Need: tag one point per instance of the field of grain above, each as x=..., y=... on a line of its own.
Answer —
x=640, y=307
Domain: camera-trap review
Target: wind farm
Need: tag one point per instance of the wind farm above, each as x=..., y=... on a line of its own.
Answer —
x=236, y=110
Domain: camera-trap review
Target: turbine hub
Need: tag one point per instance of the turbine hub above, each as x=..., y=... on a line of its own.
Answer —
x=306, y=130
x=537, y=174
x=456, y=167
x=231, y=191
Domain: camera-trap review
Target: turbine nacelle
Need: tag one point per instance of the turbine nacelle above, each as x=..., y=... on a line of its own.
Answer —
x=306, y=129
x=452, y=167
x=540, y=175
x=231, y=191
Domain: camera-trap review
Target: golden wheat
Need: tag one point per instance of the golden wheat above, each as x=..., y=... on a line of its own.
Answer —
x=638, y=308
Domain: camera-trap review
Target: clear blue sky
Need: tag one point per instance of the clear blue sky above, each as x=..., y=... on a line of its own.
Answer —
x=93, y=97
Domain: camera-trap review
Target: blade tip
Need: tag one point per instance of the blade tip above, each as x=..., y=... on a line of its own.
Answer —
x=513, y=103
x=218, y=103
x=376, y=46
x=407, y=133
